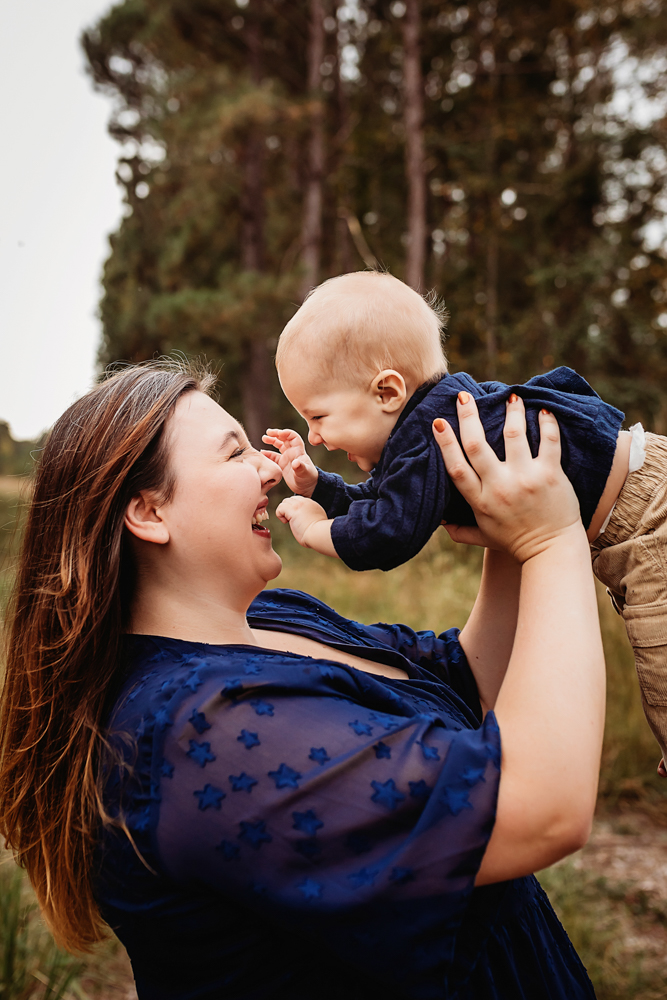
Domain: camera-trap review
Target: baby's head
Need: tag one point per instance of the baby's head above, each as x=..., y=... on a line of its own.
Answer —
x=352, y=356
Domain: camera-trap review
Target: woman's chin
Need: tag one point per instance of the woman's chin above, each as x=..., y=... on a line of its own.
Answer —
x=274, y=568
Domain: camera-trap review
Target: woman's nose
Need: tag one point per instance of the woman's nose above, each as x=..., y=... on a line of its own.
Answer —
x=269, y=472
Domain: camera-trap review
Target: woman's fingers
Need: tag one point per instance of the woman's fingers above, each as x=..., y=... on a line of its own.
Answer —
x=478, y=451
x=462, y=475
x=549, y=437
x=517, y=449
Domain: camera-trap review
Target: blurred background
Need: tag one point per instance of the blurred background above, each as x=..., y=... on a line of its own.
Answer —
x=510, y=155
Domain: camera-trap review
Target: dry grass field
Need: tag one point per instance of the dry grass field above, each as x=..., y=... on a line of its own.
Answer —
x=612, y=896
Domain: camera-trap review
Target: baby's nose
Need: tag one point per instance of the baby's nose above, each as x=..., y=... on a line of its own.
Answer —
x=314, y=437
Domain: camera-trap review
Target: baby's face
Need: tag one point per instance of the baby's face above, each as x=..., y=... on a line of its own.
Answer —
x=351, y=419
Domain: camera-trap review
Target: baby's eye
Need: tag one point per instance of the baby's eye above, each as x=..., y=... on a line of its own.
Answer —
x=238, y=453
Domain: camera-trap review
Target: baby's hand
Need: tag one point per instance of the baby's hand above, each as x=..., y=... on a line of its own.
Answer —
x=297, y=468
x=301, y=514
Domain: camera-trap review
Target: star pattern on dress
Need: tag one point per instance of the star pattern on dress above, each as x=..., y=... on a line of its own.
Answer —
x=254, y=834
x=229, y=851
x=386, y=721
x=166, y=769
x=386, y=793
x=382, y=751
x=401, y=875
x=193, y=681
x=261, y=707
x=232, y=688
x=210, y=797
x=455, y=799
x=137, y=690
x=430, y=753
x=252, y=666
x=242, y=782
x=141, y=820
x=494, y=753
x=307, y=822
x=365, y=876
x=473, y=775
x=310, y=889
x=285, y=777
x=319, y=755
x=198, y=721
x=360, y=728
x=163, y=718
x=200, y=753
x=249, y=740
x=419, y=789
x=325, y=670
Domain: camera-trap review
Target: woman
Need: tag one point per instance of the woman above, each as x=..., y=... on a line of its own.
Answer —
x=262, y=798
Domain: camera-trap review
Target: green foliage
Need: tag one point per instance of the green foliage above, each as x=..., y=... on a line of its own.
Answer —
x=213, y=113
x=15, y=456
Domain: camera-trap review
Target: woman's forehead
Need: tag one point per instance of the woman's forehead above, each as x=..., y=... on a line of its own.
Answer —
x=198, y=417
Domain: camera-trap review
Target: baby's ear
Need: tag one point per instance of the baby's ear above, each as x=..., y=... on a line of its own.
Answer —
x=391, y=391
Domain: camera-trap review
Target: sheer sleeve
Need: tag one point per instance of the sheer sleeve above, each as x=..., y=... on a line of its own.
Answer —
x=442, y=655
x=295, y=791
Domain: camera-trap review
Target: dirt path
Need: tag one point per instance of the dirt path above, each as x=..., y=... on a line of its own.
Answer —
x=628, y=853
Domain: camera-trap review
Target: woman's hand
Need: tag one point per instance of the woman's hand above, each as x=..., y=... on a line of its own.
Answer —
x=291, y=456
x=522, y=504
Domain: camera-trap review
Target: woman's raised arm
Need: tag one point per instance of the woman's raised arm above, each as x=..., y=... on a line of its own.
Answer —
x=550, y=707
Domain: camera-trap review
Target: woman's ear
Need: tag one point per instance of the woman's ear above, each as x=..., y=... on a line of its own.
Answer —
x=144, y=520
x=390, y=389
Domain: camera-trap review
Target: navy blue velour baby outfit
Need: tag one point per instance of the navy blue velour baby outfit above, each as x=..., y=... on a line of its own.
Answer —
x=308, y=831
x=385, y=521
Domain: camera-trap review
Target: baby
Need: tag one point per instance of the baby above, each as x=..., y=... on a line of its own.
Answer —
x=362, y=362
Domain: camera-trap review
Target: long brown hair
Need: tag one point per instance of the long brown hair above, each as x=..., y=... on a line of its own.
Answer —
x=70, y=605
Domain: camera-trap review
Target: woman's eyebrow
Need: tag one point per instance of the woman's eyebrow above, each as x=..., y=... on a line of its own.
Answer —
x=230, y=436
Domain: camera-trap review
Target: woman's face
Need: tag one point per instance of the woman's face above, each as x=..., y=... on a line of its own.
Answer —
x=221, y=485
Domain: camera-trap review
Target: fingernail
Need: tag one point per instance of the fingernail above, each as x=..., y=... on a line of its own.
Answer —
x=464, y=397
x=439, y=425
x=545, y=412
x=513, y=398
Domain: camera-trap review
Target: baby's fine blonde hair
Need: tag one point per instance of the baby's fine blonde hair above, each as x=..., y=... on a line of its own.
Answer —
x=355, y=325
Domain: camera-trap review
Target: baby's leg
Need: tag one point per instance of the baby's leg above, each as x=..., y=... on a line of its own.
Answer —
x=630, y=558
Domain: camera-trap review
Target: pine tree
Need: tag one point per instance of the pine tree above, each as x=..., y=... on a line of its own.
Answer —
x=268, y=144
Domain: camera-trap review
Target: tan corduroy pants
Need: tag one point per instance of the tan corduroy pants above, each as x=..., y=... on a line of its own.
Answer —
x=630, y=558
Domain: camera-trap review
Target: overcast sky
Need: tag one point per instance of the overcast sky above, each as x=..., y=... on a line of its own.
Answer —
x=58, y=202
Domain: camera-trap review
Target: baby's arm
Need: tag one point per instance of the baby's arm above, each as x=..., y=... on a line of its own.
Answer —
x=309, y=523
x=297, y=468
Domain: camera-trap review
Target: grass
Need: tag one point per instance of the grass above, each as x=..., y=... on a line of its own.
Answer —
x=30, y=964
x=435, y=590
x=607, y=923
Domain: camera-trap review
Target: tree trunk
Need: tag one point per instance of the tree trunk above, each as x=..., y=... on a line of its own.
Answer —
x=491, y=299
x=311, y=231
x=413, y=118
x=492, y=238
x=256, y=365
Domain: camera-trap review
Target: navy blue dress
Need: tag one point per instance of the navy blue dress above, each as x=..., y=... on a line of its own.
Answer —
x=308, y=831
